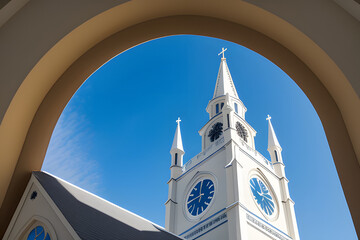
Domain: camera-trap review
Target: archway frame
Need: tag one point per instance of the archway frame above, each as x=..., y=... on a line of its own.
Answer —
x=55, y=78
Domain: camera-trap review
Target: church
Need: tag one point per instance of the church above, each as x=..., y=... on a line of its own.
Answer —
x=228, y=191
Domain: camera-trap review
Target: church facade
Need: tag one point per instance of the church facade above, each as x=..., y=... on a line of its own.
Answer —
x=229, y=190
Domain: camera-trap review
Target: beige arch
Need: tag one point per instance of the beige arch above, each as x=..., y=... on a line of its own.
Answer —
x=32, y=114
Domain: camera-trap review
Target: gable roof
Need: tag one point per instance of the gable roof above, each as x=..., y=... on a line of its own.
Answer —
x=92, y=217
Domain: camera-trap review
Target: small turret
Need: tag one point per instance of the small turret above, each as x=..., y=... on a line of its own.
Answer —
x=177, y=153
x=275, y=149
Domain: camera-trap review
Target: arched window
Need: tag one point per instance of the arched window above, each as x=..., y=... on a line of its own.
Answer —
x=176, y=158
x=217, y=108
x=222, y=105
x=37, y=228
x=38, y=233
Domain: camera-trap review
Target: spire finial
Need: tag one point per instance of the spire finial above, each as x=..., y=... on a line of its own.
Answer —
x=222, y=52
x=178, y=120
x=268, y=117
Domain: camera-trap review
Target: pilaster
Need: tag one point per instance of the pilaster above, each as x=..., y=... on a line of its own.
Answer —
x=236, y=219
x=170, y=206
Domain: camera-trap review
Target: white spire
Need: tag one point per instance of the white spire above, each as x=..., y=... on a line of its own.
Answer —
x=272, y=139
x=224, y=82
x=177, y=143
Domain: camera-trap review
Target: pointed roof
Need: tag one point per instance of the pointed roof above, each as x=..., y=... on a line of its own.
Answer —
x=94, y=218
x=224, y=82
x=272, y=139
x=177, y=143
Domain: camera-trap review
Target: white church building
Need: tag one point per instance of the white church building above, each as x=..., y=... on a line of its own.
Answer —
x=229, y=190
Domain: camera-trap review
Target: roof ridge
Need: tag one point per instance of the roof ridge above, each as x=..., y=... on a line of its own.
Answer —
x=100, y=198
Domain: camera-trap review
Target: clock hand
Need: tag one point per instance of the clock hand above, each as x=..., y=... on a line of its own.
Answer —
x=262, y=192
x=195, y=198
x=267, y=196
x=200, y=190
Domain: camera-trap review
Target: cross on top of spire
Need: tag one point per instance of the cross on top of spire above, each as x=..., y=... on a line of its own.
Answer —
x=178, y=120
x=268, y=117
x=222, y=52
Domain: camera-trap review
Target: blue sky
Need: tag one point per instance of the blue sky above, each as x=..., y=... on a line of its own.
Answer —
x=115, y=134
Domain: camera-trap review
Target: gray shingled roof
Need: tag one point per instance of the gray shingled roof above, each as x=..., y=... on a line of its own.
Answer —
x=95, y=218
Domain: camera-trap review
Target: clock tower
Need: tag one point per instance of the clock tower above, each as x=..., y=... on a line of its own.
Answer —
x=229, y=190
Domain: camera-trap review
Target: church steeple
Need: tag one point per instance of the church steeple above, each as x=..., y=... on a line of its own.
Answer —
x=226, y=110
x=225, y=86
x=252, y=195
x=224, y=82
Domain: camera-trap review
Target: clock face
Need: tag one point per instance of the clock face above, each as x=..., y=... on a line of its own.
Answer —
x=200, y=197
x=241, y=131
x=262, y=196
x=215, y=131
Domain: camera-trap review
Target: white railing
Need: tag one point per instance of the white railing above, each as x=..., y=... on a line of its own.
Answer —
x=201, y=156
x=256, y=155
x=218, y=144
